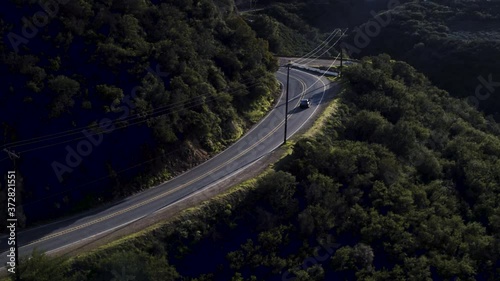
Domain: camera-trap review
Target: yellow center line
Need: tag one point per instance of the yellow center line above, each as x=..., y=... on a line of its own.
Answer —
x=140, y=204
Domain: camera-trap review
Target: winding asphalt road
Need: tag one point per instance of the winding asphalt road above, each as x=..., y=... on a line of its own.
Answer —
x=263, y=138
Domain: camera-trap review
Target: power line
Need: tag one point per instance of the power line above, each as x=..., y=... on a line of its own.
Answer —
x=322, y=75
x=170, y=108
x=121, y=127
x=319, y=47
x=329, y=48
x=11, y=154
x=303, y=59
x=132, y=117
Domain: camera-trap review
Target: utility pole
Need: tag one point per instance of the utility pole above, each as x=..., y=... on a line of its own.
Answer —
x=286, y=104
x=13, y=156
x=341, y=57
x=342, y=53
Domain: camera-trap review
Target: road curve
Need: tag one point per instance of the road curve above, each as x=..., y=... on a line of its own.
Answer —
x=263, y=138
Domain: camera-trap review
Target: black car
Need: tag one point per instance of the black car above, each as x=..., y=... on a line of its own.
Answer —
x=305, y=103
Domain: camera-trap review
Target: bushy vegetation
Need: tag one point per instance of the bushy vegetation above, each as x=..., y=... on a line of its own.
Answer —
x=325, y=15
x=178, y=80
x=400, y=184
x=282, y=39
x=286, y=31
x=455, y=43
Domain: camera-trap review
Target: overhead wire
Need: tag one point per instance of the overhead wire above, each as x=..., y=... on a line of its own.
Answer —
x=78, y=130
x=129, y=118
x=170, y=108
x=319, y=47
x=119, y=128
x=328, y=48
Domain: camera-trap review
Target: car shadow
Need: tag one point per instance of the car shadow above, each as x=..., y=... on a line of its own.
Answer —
x=296, y=110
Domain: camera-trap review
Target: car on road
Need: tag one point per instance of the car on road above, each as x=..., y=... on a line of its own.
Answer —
x=305, y=103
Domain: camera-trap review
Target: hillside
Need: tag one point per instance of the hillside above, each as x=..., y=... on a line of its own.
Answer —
x=401, y=183
x=286, y=32
x=294, y=28
x=105, y=98
x=455, y=43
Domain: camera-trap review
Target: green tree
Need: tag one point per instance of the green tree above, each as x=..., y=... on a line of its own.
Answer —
x=40, y=267
x=63, y=90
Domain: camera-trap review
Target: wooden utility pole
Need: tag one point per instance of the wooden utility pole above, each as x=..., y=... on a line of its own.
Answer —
x=286, y=104
x=341, y=58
